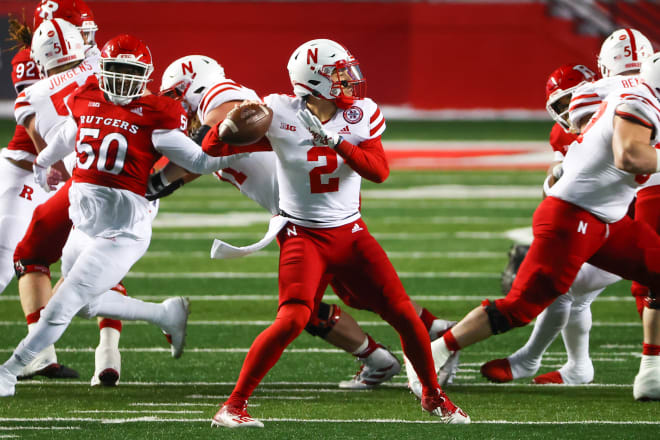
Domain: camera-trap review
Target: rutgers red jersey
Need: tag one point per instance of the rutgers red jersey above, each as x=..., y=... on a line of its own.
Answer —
x=24, y=73
x=113, y=143
x=560, y=140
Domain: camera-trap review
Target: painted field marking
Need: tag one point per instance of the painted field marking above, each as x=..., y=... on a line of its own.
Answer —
x=295, y=420
x=256, y=396
x=415, y=255
x=124, y=411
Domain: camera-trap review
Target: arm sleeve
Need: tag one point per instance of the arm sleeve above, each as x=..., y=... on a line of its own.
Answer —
x=213, y=146
x=184, y=152
x=367, y=159
x=62, y=143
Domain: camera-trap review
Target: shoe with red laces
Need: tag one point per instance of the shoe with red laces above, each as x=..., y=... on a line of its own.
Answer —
x=438, y=404
x=235, y=417
x=547, y=378
x=497, y=370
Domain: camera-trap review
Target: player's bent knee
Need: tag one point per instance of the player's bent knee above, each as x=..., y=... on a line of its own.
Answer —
x=498, y=320
x=326, y=318
x=653, y=300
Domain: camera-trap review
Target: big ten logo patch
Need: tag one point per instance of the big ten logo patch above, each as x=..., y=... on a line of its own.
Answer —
x=353, y=115
x=26, y=192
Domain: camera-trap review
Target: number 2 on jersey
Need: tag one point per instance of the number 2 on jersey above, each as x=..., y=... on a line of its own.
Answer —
x=316, y=184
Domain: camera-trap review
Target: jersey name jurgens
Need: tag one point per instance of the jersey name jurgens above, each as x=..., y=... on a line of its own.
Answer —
x=45, y=99
x=317, y=188
x=591, y=180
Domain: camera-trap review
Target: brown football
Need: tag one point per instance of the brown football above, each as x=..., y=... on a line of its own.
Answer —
x=245, y=124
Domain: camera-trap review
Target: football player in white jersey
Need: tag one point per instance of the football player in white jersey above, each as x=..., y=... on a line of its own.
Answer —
x=201, y=84
x=619, y=62
x=584, y=219
x=319, y=170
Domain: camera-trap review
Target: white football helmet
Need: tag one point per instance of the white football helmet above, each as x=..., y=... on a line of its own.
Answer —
x=650, y=72
x=623, y=51
x=56, y=43
x=188, y=78
x=324, y=68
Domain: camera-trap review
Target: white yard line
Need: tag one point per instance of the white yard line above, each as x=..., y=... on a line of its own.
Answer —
x=415, y=255
x=406, y=236
x=324, y=421
x=268, y=275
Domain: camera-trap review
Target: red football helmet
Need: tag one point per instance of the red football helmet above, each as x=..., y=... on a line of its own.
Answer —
x=75, y=12
x=24, y=71
x=125, y=68
x=559, y=90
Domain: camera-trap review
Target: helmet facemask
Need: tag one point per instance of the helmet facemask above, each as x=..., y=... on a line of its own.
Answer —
x=123, y=79
x=558, y=105
x=348, y=84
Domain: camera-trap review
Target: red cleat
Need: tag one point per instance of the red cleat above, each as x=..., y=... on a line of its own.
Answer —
x=551, y=377
x=438, y=404
x=498, y=370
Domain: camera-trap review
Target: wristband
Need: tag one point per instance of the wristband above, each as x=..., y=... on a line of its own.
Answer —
x=157, y=182
x=200, y=134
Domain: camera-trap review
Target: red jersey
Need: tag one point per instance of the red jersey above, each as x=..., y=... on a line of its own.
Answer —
x=21, y=141
x=24, y=72
x=113, y=143
x=560, y=140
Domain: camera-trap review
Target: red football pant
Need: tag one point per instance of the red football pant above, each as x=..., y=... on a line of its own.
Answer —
x=565, y=237
x=359, y=264
x=48, y=231
x=647, y=210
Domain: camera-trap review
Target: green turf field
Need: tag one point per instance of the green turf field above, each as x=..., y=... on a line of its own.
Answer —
x=449, y=253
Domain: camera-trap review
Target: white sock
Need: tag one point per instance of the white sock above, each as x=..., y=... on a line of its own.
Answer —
x=526, y=361
x=579, y=368
x=117, y=306
x=109, y=337
x=362, y=347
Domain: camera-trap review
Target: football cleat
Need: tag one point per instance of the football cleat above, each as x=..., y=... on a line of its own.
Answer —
x=438, y=404
x=517, y=254
x=446, y=366
x=177, y=310
x=380, y=366
x=7, y=382
x=548, y=378
x=235, y=417
x=497, y=370
x=439, y=327
x=107, y=361
x=647, y=381
x=52, y=371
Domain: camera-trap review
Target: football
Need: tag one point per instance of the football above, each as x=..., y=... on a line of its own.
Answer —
x=245, y=124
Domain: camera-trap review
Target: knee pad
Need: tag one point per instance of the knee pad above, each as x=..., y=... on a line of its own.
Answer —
x=21, y=267
x=327, y=316
x=498, y=321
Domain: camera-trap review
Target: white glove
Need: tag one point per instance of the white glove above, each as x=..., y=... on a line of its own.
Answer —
x=41, y=176
x=322, y=137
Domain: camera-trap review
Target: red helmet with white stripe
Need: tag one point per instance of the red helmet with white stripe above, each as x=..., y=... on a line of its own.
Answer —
x=559, y=90
x=125, y=68
x=189, y=78
x=24, y=70
x=56, y=43
x=326, y=69
x=623, y=51
x=75, y=12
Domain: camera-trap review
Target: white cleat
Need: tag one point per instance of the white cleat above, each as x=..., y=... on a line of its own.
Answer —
x=44, y=359
x=440, y=405
x=177, y=310
x=107, y=367
x=232, y=417
x=7, y=383
x=647, y=382
x=380, y=366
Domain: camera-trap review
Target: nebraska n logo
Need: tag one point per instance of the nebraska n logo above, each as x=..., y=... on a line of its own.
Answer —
x=188, y=67
x=582, y=227
x=291, y=231
x=313, y=56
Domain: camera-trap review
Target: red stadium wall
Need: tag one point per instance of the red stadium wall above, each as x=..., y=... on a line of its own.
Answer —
x=426, y=55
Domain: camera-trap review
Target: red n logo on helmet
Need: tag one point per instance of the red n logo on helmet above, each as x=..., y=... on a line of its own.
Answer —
x=313, y=56
x=185, y=67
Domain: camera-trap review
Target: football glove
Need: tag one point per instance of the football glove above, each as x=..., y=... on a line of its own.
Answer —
x=46, y=177
x=322, y=137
